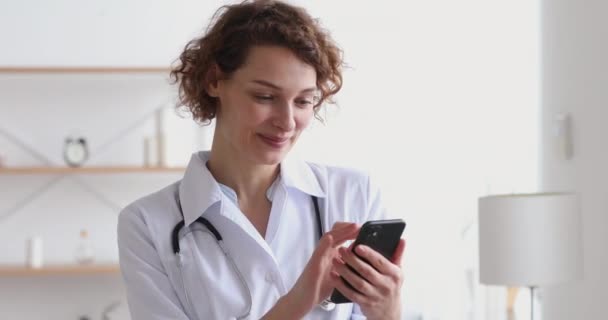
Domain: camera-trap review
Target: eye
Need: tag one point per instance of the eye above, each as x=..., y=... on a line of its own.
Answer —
x=304, y=102
x=263, y=97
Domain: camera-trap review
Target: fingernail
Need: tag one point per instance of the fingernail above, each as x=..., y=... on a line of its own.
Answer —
x=361, y=249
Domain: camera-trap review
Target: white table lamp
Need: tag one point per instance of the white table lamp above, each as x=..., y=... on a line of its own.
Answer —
x=530, y=240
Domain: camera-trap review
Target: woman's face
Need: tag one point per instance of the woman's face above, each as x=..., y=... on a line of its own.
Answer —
x=264, y=105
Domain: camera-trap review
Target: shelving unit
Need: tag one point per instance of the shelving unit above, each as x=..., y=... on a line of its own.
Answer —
x=59, y=171
x=82, y=69
x=62, y=270
x=87, y=170
x=99, y=181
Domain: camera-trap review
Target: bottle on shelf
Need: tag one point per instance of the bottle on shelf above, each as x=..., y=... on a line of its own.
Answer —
x=161, y=139
x=34, y=252
x=84, y=251
x=149, y=152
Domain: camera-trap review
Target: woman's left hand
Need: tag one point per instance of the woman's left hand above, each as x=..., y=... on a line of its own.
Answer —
x=379, y=283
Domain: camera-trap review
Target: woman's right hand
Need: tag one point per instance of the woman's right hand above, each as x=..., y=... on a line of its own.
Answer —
x=314, y=284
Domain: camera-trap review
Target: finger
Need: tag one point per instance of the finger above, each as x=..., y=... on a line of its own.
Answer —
x=335, y=238
x=378, y=261
x=363, y=268
x=343, y=234
x=356, y=281
x=352, y=295
x=341, y=224
x=398, y=255
x=344, y=227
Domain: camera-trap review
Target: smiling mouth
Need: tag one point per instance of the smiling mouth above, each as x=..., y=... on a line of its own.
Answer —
x=273, y=141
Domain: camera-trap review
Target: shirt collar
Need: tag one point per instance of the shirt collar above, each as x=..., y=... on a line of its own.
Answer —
x=199, y=190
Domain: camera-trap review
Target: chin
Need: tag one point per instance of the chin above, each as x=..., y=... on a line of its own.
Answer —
x=271, y=158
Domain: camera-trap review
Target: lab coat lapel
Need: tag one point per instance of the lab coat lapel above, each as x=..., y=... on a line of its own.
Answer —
x=230, y=211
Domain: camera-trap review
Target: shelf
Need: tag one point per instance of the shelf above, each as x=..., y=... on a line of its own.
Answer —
x=87, y=170
x=21, y=271
x=42, y=69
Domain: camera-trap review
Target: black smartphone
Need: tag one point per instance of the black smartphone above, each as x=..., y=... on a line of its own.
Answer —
x=380, y=235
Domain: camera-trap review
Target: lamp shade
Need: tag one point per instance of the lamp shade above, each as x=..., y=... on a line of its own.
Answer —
x=529, y=239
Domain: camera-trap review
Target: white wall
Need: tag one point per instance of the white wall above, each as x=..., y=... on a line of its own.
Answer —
x=575, y=76
x=113, y=32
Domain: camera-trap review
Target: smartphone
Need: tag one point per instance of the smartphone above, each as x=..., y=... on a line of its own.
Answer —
x=380, y=235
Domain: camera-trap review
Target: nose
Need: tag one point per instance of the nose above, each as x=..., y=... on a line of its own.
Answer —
x=284, y=117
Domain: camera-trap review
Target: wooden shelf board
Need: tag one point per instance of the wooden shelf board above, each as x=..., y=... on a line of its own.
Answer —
x=21, y=271
x=88, y=170
x=49, y=69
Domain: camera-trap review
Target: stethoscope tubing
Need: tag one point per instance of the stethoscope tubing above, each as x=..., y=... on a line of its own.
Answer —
x=175, y=238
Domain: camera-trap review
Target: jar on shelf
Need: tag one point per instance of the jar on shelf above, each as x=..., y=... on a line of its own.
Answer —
x=84, y=250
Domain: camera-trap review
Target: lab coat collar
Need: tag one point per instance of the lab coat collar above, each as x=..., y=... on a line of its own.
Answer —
x=199, y=190
x=298, y=174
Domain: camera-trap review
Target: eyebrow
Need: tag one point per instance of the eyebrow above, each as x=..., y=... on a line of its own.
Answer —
x=274, y=86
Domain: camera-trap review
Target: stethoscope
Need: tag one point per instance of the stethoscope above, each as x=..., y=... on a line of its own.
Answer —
x=326, y=305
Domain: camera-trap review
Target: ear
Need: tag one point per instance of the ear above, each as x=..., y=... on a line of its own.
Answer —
x=213, y=77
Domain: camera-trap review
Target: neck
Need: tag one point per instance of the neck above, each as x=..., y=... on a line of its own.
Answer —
x=249, y=180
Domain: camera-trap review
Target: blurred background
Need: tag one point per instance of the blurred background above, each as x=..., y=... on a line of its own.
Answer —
x=443, y=102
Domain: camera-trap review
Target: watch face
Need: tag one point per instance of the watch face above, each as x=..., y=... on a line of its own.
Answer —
x=75, y=152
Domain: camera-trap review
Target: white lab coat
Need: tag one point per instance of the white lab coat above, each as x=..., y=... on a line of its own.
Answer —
x=270, y=266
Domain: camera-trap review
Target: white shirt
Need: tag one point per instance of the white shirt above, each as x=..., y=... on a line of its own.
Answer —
x=156, y=288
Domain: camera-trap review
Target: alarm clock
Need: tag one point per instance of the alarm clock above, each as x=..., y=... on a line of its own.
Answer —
x=75, y=151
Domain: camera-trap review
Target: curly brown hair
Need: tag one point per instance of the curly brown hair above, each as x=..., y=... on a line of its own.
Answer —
x=233, y=30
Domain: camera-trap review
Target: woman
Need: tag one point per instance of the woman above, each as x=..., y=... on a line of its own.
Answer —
x=262, y=71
